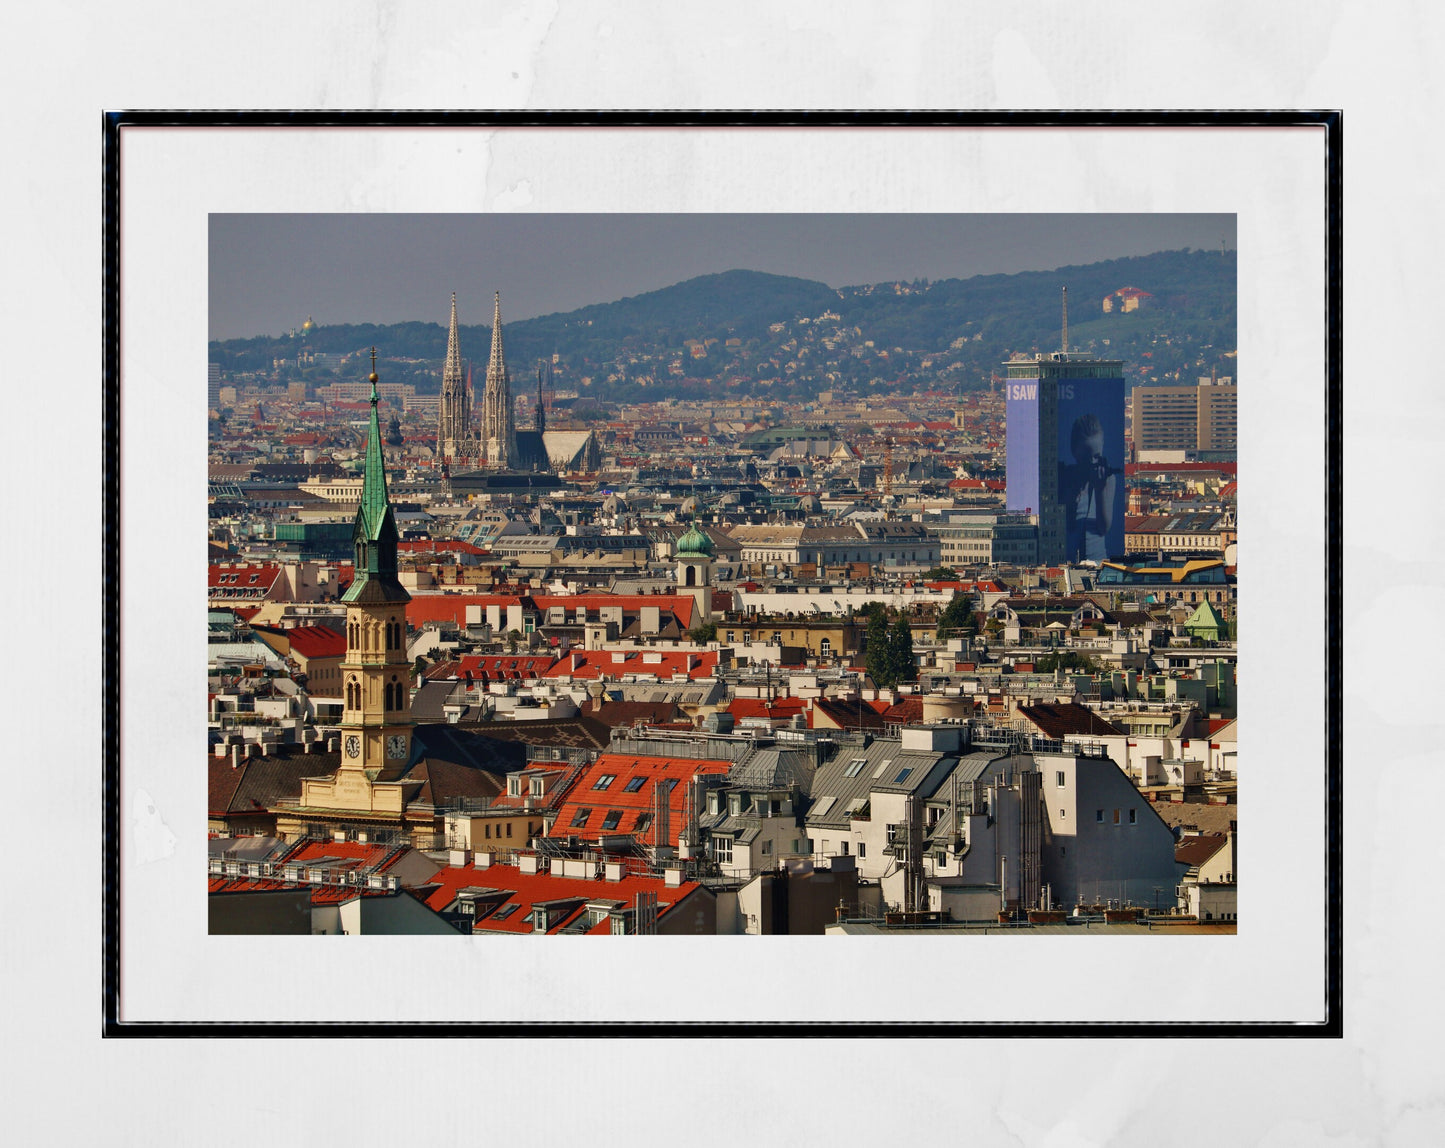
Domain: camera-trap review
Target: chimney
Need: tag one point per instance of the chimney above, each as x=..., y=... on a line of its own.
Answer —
x=235, y=756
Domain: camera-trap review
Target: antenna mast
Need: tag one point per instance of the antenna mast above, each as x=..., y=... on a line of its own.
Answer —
x=1066, y=321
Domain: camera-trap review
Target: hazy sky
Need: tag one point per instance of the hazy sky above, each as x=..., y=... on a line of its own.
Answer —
x=269, y=272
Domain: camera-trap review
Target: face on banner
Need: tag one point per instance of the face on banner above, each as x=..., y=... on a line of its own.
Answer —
x=1091, y=468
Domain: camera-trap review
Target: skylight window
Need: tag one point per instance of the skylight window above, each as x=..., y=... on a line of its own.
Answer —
x=902, y=775
x=855, y=767
x=579, y=818
x=612, y=818
x=882, y=768
x=824, y=804
x=504, y=912
x=634, y=784
x=604, y=781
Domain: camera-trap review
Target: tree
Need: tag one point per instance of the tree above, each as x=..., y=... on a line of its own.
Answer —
x=875, y=650
x=940, y=574
x=703, y=634
x=902, y=665
x=957, y=619
x=1068, y=660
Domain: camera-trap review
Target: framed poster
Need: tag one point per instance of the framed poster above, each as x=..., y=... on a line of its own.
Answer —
x=170, y=177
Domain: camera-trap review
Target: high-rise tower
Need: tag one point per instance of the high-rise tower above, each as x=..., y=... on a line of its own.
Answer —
x=499, y=430
x=454, y=413
x=376, y=721
x=1064, y=420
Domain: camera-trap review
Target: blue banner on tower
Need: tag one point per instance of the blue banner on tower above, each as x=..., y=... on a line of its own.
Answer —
x=1091, y=468
x=1022, y=446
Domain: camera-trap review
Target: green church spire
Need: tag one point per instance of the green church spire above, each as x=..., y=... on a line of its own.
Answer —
x=374, y=536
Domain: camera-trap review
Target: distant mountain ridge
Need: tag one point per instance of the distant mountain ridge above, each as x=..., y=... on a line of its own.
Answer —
x=754, y=332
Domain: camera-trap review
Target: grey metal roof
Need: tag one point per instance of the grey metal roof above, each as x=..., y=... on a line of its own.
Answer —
x=924, y=773
x=773, y=767
x=883, y=761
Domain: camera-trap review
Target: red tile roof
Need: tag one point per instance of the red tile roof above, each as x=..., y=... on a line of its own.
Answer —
x=779, y=709
x=639, y=773
x=438, y=546
x=1197, y=850
x=905, y=711
x=844, y=715
x=614, y=664
x=984, y=587
x=492, y=668
x=320, y=894
x=1058, y=721
x=316, y=641
x=524, y=890
x=453, y=607
x=241, y=576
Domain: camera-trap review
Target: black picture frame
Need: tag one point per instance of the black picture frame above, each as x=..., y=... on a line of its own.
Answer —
x=113, y=125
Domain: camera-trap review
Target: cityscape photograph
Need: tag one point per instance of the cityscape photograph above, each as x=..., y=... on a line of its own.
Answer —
x=722, y=574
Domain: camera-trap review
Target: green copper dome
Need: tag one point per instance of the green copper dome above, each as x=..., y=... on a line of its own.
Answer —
x=694, y=542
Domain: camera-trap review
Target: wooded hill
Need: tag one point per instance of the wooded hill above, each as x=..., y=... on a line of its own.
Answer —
x=742, y=333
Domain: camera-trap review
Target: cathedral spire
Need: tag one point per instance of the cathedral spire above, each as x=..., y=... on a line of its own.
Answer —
x=453, y=366
x=499, y=429
x=497, y=365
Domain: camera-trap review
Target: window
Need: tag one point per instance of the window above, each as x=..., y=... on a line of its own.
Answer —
x=579, y=818
x=487, y=832
x=612, y=818
x=862, y=849
x=855, y=767
x=767, y=848
x=1062, y=815
x=509, y=829
x=722, y=850
x=902, y=775
x=1099, y=816
x=1059, y=779
x=1116, y=817
x=604, y=781
x=845, y=847
x=634, y=784
x=1133, y=817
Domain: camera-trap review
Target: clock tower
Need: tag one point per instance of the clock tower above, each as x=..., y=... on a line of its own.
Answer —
x=376, y=722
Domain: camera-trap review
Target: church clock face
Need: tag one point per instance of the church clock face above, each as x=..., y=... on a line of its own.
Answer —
x=353, y=746
x=396, y=745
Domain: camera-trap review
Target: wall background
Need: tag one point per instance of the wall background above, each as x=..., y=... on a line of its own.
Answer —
x=1380, y=1084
